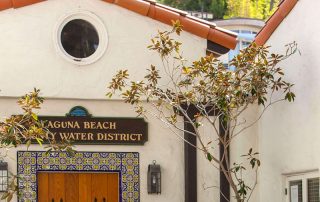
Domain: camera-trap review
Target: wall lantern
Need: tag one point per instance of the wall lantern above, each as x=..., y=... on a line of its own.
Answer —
x=154, y=178
x=3, y=176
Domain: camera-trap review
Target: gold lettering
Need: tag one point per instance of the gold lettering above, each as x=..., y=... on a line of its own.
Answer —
x=86, y=125
x=56, y=124
x=71, y=136
x=64, y=136
x=100, y=136
x=90, y=136
x=93, y=125
x=135, y=137
x=112, y=125
x=76, y=135
x=99, y=126
x=139, y=136
x=76, y=125
x=105, y=125
x=123, y=137
x=63, y=124
x=69, y=124
x=83, y=136
x=132, y=138
x=110, y=136
x=50, y=125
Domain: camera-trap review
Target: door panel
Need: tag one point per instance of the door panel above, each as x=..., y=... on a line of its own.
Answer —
x=99, y=187
x=71, y=181
x=113, y=187
x=78, y=187
x=43, y=187
x=56, y=187
x=85, y=187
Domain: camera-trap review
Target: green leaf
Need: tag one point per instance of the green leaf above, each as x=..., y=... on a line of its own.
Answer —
x=253, y=162
x=39, y=140
x=258, y=162
x=34, y=116
x=290, y=96
x=209, y=156
x=28, y=143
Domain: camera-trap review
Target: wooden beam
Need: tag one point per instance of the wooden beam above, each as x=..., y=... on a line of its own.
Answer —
x=224, y=184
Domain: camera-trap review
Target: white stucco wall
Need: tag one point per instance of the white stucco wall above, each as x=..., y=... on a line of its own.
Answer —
x=208, y=174
x=162, y=145
x=29, y=59
x=289, y=133
x=241, y=144
x=27, y=44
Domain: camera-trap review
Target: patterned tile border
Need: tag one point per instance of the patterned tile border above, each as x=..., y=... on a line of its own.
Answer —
x=126, y=164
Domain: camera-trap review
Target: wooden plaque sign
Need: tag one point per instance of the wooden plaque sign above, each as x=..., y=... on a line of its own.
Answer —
x=79, y=127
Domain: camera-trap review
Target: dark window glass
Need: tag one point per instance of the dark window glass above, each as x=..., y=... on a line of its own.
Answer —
x=79, y=38
x=245, y=31
x=313, y=190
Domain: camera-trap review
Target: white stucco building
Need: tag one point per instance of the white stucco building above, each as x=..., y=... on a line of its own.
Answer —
x=289, y=133
x=70, y=49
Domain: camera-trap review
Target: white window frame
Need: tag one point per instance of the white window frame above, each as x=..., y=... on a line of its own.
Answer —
x=304, y=176
x=98, y=25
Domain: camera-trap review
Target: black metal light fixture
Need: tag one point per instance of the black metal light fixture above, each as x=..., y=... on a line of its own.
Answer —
x=3, y=176
x=154, y=178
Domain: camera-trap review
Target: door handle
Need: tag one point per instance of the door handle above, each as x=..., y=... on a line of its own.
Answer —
x=95, y=199
x=52, y=200
x=61, y=200
x=104, y=199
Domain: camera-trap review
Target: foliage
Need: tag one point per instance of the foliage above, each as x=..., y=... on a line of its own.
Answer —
x=260, y=9
x=25, y=129
x=217, y=7
x=208, y=86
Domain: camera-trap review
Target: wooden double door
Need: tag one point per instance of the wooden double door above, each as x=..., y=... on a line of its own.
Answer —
x=78, y=187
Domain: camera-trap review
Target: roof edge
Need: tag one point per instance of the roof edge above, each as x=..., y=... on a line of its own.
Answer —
x=274, y=21
x=7, y=4
x=166, y=14
x=159, y=12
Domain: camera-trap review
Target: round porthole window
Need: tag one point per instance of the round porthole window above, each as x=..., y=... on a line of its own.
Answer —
x=81, y=38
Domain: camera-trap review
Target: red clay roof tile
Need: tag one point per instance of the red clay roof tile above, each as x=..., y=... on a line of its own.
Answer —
x=138, y=6
x=220, y=37
x=274, y=21
x=197, y=28
x=21, y=3
x=109, y=1
x=165, y=16
x=5, y=4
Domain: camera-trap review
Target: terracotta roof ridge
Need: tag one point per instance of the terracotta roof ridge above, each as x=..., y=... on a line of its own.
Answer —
x=166, y=14
x=6, y=4
x=284, y=8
